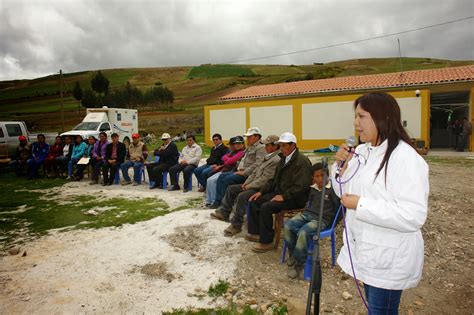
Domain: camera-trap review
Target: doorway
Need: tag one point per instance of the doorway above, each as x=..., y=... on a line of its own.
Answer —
x=446, y=113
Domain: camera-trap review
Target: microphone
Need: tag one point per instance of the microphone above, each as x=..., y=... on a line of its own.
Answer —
x=350, y=142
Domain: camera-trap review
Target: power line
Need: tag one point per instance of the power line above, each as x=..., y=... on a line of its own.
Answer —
x=351, y=42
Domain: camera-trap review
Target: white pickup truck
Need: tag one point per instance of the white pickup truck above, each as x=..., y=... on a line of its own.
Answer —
x=122, y=121
x=11, y=130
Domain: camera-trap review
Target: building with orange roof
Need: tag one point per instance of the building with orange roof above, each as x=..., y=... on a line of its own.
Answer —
x=320, y=112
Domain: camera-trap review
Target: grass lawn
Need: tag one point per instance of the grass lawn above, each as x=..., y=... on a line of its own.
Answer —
x=39, y=106
x=216, y=71
x=30, y=208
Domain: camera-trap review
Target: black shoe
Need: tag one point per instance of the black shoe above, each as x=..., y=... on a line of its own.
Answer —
x=218, y=215
x=215, y=205
x=104, y=184
x=185, y=190
x=174, y=187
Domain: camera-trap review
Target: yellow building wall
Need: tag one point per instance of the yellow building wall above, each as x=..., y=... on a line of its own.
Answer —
x=297, y=103
x=471, y=109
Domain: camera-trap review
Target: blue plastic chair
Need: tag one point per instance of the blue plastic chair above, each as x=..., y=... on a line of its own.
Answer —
x=117, y=175
x=324, y=234
x=156, y=159
x=165, y=181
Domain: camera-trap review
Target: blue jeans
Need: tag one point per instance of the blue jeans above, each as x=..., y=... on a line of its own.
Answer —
x=382, y=301
x=63, y=163
x=33, y=166
x=298, y=232
x=202, y=173
x=225, y=180
x=211, y=188
x=70, y=165
x=137, y=174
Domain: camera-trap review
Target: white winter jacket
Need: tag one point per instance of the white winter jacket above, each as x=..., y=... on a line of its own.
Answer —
x=384, y=231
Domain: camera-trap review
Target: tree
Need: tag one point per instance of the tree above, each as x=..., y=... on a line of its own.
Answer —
x=100, y=83
x=77, y=93
x=168, y=97
x=132, y=95
x=89, y=99
x=159, y=95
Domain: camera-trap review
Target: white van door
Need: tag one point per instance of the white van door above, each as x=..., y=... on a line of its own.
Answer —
x=13, y=131
x=105, y=127
x=3, y=140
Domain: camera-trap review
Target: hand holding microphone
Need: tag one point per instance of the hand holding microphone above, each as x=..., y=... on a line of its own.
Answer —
x=344, y=154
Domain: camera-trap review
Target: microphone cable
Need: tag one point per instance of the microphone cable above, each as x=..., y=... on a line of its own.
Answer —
x=343, y=209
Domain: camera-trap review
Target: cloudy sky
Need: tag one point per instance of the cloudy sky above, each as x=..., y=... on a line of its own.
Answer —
x=40, y=37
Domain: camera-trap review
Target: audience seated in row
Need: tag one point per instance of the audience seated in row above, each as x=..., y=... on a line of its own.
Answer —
x=253, y=157
x=268, y=176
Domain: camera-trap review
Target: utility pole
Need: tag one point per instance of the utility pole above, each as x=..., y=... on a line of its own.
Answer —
x=402, y=79
x=62, y=101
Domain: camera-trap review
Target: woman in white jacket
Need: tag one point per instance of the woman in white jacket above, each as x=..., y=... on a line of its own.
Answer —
x=385, y=190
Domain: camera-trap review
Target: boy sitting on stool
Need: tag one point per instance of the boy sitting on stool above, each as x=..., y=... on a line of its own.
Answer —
x=300, y=229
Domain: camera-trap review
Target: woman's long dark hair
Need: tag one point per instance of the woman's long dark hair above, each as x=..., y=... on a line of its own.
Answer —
x=386, y=115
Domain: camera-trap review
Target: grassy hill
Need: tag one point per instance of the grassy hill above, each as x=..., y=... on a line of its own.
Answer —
x=37, y=101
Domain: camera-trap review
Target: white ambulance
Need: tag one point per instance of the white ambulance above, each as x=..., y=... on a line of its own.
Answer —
x=122, y=121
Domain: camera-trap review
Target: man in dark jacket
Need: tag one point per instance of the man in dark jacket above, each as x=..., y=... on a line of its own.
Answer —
x=23, y=152
x=114, y=156
x=288, y=190
x=466, y=132
x=205, y=171
x=168, y=154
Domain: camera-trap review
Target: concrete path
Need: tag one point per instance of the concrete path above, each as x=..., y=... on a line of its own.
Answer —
x=450, y=153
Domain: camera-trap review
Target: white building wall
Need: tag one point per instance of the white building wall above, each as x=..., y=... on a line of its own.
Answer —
x=332, y=120
x=410, y=108
x=272, y=119
x=227, y=122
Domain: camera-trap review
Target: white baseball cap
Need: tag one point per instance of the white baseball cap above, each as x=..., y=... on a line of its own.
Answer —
x=252, y=131
x=165, y=136
x=287, y=137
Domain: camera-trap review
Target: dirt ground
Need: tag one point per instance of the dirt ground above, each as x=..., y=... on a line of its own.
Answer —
x=170, y=262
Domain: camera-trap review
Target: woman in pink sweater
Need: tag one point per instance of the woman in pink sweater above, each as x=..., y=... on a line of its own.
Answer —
x=237, y=151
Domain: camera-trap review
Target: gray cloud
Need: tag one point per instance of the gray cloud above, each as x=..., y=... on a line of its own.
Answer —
x=41, y=37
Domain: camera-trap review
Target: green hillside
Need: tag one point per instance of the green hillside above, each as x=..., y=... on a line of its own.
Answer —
x=193, y=87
